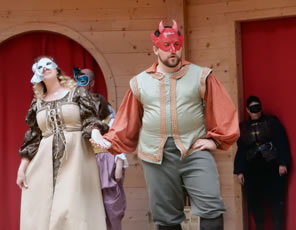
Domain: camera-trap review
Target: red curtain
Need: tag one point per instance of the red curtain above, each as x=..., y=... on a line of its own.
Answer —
x=16, y=58
x=269, y=49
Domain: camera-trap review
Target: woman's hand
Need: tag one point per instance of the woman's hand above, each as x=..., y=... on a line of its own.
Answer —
x=203, y=144
x=21, y=174
x=98, y=141
x=118, y=169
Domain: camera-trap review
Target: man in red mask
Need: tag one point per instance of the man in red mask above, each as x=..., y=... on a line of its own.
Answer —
x=164, y=117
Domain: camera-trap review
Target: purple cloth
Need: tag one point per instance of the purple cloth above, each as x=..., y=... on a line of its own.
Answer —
x=113, y=193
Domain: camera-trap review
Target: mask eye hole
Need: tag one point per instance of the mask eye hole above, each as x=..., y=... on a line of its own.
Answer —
x=166, y=44
x=48, y=63
x=39, y=67
x=176, y=43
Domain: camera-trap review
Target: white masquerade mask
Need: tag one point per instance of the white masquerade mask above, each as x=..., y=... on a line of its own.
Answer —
x=38, y=68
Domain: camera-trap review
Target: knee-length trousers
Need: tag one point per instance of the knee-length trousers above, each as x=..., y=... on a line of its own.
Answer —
x=167, y=182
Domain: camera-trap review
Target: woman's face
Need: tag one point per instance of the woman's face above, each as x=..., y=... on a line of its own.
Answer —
x=44, y=66
x=50, y=73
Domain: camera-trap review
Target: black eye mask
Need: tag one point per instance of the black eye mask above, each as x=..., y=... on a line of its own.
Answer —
x=255, y=108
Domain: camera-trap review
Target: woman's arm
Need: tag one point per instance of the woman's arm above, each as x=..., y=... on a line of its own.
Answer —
x=30, y=145
x=21, y=173
x=88, y=112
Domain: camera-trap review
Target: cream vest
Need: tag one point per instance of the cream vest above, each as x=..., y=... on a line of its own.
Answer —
x=173, y=107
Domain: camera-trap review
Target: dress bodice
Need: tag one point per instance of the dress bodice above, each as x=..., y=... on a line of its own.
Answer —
x=63, y=117
x=76, y=111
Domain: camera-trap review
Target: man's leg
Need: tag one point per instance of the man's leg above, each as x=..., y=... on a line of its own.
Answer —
x=278, y=188
x=211, y=224
x=175, y=227
x=259, y=226
x=257, y=211
x=201, y=180
x=165, y=189
x=255, y=184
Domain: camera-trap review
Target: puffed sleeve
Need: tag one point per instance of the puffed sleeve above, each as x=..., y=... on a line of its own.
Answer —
x=221, y=115
x=88, y=113
x=124, y=132
x=33, y=135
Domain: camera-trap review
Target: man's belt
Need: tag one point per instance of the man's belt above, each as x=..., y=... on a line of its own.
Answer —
x=267, y=151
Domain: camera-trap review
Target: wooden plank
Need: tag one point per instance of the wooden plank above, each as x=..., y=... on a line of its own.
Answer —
x=175, y=12
x=203, y=53
x=214, y=8
x=119, y=100
x=138, y=215
x=130, y=64
x=245, y=5
x=208, y=2
x=135, y=225
x=237, y=58
x=135, y=218
x=209, y=43
x=60, y=15
x=202, y=31
x=209, y=19
x=88, y=4
x=135, y=177
x=124, y=42
x=19, y=5
x=122, y=90
x=136, y=193
x=249, y=15
x=122, y=80
x=205, y=10
x=77, y=4
x=115, y=25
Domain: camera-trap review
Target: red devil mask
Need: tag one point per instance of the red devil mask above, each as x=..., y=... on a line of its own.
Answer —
x=169, y=39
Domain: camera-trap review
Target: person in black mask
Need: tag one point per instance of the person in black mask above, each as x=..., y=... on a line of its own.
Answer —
x=261, y=163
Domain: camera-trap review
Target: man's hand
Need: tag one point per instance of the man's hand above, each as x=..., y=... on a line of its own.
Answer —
x=203, y=144
x=118, y=169
x=241, y=178
x=283, y=170
x=98, y=141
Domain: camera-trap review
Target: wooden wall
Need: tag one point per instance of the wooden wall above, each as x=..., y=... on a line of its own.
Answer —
x=213, y=39
x=117, y=34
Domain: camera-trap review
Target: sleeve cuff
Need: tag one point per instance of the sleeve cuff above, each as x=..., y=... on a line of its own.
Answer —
x=122, y=156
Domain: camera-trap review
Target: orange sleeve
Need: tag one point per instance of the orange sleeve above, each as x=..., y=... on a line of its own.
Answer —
x=221, y=115
x=124, y=132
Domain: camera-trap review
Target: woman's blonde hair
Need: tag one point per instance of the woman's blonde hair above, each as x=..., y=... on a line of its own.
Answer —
x=39, y=89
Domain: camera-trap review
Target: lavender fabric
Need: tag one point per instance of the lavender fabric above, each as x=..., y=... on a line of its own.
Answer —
x=113, y=193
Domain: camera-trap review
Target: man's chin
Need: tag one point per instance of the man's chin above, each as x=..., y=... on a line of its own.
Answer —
x=173, y=64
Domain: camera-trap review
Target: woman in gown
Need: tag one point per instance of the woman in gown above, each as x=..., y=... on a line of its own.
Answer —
x=58, y=174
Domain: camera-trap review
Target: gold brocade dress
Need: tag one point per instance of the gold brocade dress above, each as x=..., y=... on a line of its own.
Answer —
x=64, y=192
